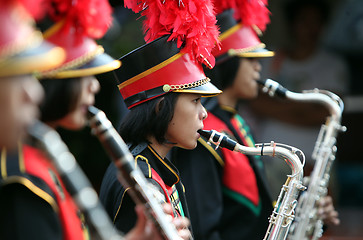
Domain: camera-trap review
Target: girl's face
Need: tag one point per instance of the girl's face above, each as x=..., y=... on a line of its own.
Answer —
x=77, y=118
x=245, y=85
x=19, y=99
x=188, y=118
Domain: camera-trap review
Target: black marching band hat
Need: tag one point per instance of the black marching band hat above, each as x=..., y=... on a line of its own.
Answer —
x=77, y=24
x=241, y=23
x=178, y=42
x=22, y=49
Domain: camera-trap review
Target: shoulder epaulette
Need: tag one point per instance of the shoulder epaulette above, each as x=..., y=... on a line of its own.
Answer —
x=13, y=171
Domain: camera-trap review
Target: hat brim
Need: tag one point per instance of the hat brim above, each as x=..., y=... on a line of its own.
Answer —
x=42, y=57
x=256, y=53
x=100, y=64
x=206, y=90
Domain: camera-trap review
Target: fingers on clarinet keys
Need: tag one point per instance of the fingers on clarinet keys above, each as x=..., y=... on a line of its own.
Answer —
x=181, y=223
x=327, y=211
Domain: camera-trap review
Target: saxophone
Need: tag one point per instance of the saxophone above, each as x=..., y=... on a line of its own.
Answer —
x=283, y=213
x=76, y=182
x=141, y=191
x=307, y=224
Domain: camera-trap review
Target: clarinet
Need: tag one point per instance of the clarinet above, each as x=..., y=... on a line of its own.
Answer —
x=141, y=191
x=307, y=224
x=283, y=213
x=76, y=182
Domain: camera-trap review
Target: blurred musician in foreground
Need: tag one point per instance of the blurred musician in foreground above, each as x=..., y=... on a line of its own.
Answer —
x=35, y=203
x=22, y=53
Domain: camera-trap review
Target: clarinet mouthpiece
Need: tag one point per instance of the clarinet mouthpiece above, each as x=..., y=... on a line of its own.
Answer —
x=204, y=133
x=92, y=111
x=218, y=139
x=261, y=82
x=273, y=88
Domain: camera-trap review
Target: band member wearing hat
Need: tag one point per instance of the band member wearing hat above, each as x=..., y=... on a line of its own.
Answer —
x=162, y=84
x=22, y=53
x=35, y=189
x=227, y=194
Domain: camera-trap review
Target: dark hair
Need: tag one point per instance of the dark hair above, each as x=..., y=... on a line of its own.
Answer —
x=223, y=74
x=60, y=97
x=293, y=8
x=150, y=118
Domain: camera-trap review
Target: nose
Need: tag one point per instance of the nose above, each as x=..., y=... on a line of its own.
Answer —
x=257, y=65
x=204, y=113
x=33, y=91
x=94, y=85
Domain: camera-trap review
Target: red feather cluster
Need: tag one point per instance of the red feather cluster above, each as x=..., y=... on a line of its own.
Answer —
x=249, y=12
x=222, y=5
x=90, y=18
x=34, y=7
x=253, y=12
x=191, y=23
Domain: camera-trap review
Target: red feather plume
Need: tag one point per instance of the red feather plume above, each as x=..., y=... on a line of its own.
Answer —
x=253, y=12
x=249, y=12
x=223, y=5
x=90, y=18
x=191, y=23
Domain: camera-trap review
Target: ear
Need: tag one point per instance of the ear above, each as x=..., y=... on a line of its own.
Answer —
x=159, y=105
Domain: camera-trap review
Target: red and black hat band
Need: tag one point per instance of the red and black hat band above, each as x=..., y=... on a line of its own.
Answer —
x=144, y=95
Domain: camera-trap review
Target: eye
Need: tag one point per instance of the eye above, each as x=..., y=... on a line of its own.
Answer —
x=197, y=100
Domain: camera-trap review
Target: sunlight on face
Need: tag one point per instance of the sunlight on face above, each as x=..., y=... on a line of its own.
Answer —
x=77, y=118
x=188, y=118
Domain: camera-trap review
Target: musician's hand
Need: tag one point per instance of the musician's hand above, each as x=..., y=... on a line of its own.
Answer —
x=180, y=223
x=327, y=211
x=144, y=228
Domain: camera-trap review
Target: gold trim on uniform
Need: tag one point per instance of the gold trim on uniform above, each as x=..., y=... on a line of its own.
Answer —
x=186, y=85
x=119, y=207
x=24, y=181
x=257, y=30
x=36, y=190
x=166, y=165
x=32, y=41
x=3, y=164
x=53, y=29
x=229, y=109
x=21, y=158
x=234, y=52
x=249, y=51
x=151, y=70
x=89, y=71
x=32, y=64
x=57, y=72
x=229, y=32
x=205, y=60
x=212, y=151
x=146, y=161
